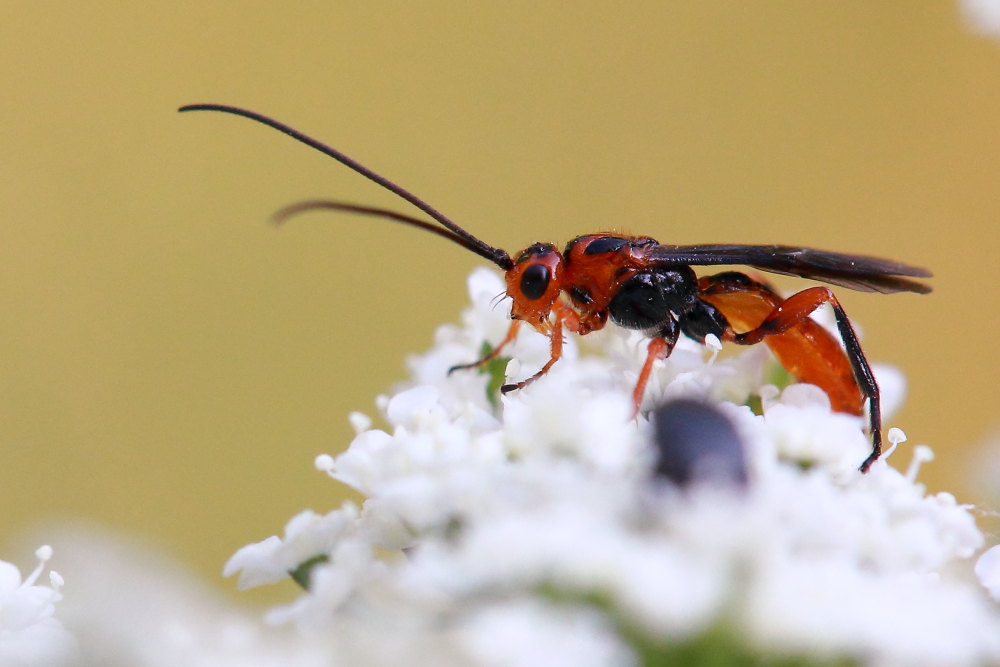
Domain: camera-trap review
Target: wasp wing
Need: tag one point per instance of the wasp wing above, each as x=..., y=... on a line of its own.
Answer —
x=857, y=272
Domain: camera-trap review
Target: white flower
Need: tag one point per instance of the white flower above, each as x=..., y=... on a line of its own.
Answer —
x=535, y=531
x=830, y=607
x=982, y=16
x=29, y=632
x=533, y=632
x=988, y=571
x=130, y=606
x=307, y=535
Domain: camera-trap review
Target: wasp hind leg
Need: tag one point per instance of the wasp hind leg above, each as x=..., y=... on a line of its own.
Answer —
x=794, y=312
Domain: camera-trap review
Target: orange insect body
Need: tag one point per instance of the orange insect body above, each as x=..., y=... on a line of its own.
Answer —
x=807, y=351
x=598, y=276
x=595, y=268
x=641, y=284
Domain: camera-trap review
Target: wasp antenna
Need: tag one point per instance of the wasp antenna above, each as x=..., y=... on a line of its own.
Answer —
x=495, y=255
x=282, y=215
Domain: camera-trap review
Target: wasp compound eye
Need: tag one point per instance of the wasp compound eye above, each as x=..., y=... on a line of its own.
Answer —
x=535, y=280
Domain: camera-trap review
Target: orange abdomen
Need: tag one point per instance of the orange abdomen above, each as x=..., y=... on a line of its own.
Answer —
x=808, y=351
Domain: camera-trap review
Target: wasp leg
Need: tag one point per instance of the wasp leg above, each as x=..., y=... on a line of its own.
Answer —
x=793, y=312
x=562, y=316
x=659, y=347
x=555, y=352
x=494, y=353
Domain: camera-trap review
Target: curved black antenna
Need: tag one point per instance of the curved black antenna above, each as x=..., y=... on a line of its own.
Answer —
x=495, y=255
x=283, y=214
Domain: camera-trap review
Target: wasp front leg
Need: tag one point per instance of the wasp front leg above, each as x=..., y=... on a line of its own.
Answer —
x=562, y=316
x=494, y=353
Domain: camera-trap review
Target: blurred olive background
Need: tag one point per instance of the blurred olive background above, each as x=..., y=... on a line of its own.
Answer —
x=171, y=363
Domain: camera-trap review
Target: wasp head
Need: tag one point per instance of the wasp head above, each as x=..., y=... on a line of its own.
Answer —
x=534, y=283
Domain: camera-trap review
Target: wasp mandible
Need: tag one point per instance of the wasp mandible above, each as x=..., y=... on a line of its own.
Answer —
x=639, y=283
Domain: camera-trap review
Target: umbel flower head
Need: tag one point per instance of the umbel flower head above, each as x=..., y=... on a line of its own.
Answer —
x=547, y=527
x=30, y=634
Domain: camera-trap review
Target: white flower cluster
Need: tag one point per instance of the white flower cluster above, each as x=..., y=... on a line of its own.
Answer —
x=982, y=16
x=531, y=529
x=29, y=632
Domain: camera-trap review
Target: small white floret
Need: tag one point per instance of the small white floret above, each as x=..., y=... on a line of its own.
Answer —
x=359, y=421
x=988, y=571
x=324, y=463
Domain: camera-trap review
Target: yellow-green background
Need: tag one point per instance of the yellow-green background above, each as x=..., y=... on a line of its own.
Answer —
x=170, y=363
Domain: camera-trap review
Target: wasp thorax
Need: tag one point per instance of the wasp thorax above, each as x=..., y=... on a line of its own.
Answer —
x=534, y=282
